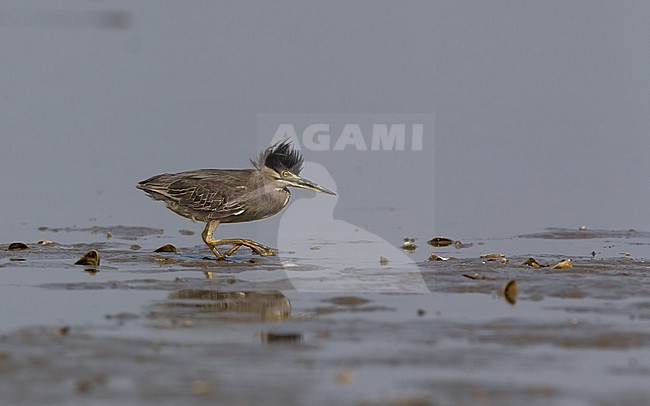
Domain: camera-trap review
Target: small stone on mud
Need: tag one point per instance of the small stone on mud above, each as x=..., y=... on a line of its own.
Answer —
x=167, y=248
x=563, y=264
x=421, y=312
x=186, y=232
x=200, y=387
x=440, y=241
x=86, y=384
x=188, y=323
x=383, y=261
x=135, y=247
x=509, y=291
x=315, y=248
x=60, y=331
x=164, y=260
x=208, y=274
x=108, y=235
x=46, y=242
x=344, y=377
x=17, y=246
x=83, y=385
x=582, y=228
x=89, y=258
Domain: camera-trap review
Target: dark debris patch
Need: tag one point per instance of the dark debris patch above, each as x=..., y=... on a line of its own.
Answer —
x=123, y=232
x=280, y=337
x=576, y=234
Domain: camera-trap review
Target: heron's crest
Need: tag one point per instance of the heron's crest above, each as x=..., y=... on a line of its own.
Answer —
x=279, y=157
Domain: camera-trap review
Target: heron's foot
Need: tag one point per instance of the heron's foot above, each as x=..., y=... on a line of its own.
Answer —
x=255, y=246
x=216, y=252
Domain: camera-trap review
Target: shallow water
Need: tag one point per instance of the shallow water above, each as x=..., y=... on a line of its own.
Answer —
x=182, y=327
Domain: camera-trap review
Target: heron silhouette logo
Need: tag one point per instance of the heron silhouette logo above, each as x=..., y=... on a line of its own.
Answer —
x=333, y=243
x=332, y=255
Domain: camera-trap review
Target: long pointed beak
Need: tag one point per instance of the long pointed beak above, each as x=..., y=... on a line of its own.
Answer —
x=309, y=185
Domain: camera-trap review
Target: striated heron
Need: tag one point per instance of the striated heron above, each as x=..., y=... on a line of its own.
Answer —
x=217, y=196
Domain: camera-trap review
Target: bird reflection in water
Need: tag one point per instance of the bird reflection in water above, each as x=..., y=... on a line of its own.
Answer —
x=234, y=306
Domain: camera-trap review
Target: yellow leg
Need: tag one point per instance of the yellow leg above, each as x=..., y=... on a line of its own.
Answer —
x=236, y=243
x=209, y=240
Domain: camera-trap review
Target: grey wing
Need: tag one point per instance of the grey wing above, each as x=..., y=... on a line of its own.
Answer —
x=197, y=195
x=205, y=199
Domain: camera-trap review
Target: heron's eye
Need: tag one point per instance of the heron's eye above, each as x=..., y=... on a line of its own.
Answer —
x=285, y=174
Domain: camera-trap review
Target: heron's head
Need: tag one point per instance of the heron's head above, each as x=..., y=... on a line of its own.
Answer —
x=281, y=164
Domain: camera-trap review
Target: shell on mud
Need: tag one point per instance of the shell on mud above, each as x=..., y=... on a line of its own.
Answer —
x=383, y=261
x=89, y=258
x=436, y=257
x=166, y=248
x=409, y=244
x=532, y=262
x=459, y=244
x=563, y=264
x=60, y=331
x=509, y=291
x=17, y=246
x=440, y=241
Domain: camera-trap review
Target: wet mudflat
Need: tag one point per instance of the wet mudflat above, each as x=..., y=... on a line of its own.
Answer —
x=326, y=322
